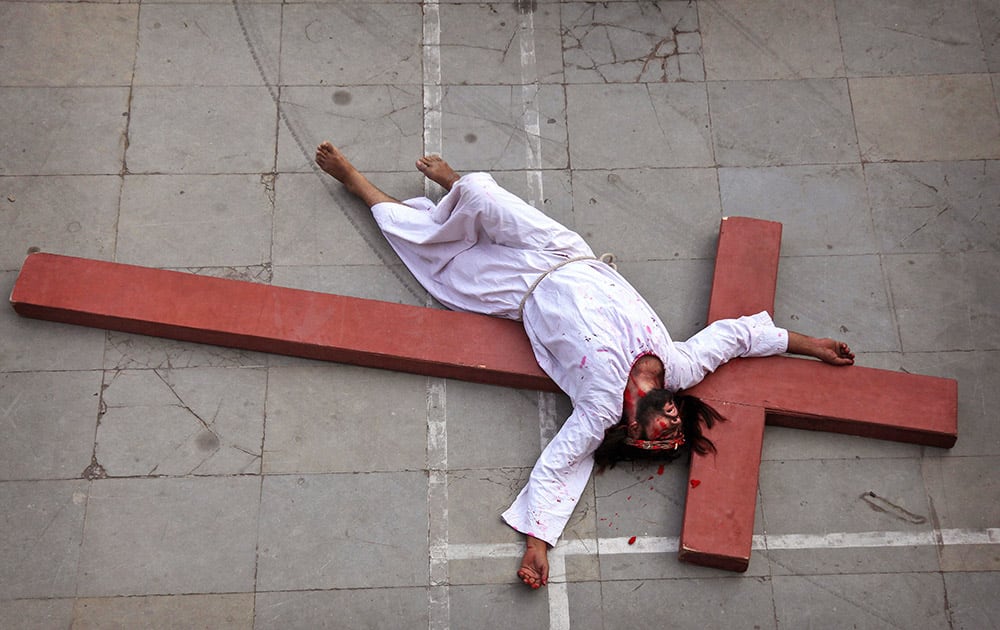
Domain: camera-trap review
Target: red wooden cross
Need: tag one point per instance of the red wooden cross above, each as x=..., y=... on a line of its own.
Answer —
x=718, y=520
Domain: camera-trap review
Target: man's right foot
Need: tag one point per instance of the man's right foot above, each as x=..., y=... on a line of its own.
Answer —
x=437, y=170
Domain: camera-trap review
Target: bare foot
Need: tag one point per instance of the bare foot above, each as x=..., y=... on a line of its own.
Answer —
x=437, y=170
x=534, y=569
x=332, y=161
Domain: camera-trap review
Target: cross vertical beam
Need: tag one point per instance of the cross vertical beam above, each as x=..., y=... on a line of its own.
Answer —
x=802, y=393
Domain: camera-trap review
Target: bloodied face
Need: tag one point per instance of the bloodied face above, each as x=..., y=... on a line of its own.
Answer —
x=658, y=416
x=664, y=425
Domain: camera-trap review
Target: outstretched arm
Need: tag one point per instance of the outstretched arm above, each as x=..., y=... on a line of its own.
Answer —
x=827, y=350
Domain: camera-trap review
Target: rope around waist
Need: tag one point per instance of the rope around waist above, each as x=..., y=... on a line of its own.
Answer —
x=607, y=258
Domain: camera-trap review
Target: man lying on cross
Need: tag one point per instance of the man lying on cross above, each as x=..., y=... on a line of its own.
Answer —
x=484, y=250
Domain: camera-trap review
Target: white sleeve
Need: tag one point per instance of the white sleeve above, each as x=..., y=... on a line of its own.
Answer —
x=558, y=479
x=699, y=356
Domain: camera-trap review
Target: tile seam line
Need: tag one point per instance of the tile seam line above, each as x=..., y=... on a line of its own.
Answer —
x=438, y=578
x=558, y=595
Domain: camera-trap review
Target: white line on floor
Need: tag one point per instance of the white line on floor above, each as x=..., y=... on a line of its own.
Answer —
x=773, y=542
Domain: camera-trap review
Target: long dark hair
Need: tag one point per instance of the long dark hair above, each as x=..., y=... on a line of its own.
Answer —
x=695, y=414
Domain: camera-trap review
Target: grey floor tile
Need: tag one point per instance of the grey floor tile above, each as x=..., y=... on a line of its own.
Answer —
x=196, y=421
x=951, y=117
x=747, y=40
x=669, y=213
x=910, y=37
x=325, y=418
x=820, y=497
x=203, y=44
x=989, y=24
x=74, y=216
x=67, y=44
x=363, y=608
x=643, y=499
x=860, y=601
x=476, y=498
x=964, y=491
x=490, y=44
x=351, y=44
x=585, y=606
x=782, y=443
x=972, y=601
x=843, y=297
x=234, y=611
x=378, y=127
x=50, y=418
x=161, y=536
x=31, y=344
x=945, y=302
x=343, y=531
x=823, y=209
x=36, y=614
x=490, y=606
x=63, y=130
x=195, y=221
x=126, y=351
x=931, y=207
x=318, y=223
x=779, y=123
x=977, y=374
x=507, y=418
x=667, y=126
x=631, y=42
x=722, y=602
x=483, y=127
x=201, y=130
x=40, y=544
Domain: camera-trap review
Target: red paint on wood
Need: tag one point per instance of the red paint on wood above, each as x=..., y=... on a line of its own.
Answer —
x=716, y=517
x=276, y=319
x=746, y=268
x=809, y=394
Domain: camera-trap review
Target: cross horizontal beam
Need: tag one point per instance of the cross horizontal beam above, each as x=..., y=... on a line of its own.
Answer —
x=279, y=320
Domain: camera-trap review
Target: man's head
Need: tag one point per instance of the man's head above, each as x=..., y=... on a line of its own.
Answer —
x=658, y=424
x=664, y=424
x=658, y=416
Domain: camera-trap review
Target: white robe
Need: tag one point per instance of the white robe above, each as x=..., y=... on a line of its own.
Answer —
x=480, y=249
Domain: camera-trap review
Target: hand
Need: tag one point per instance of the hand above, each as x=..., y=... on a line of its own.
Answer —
x=534, y=569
